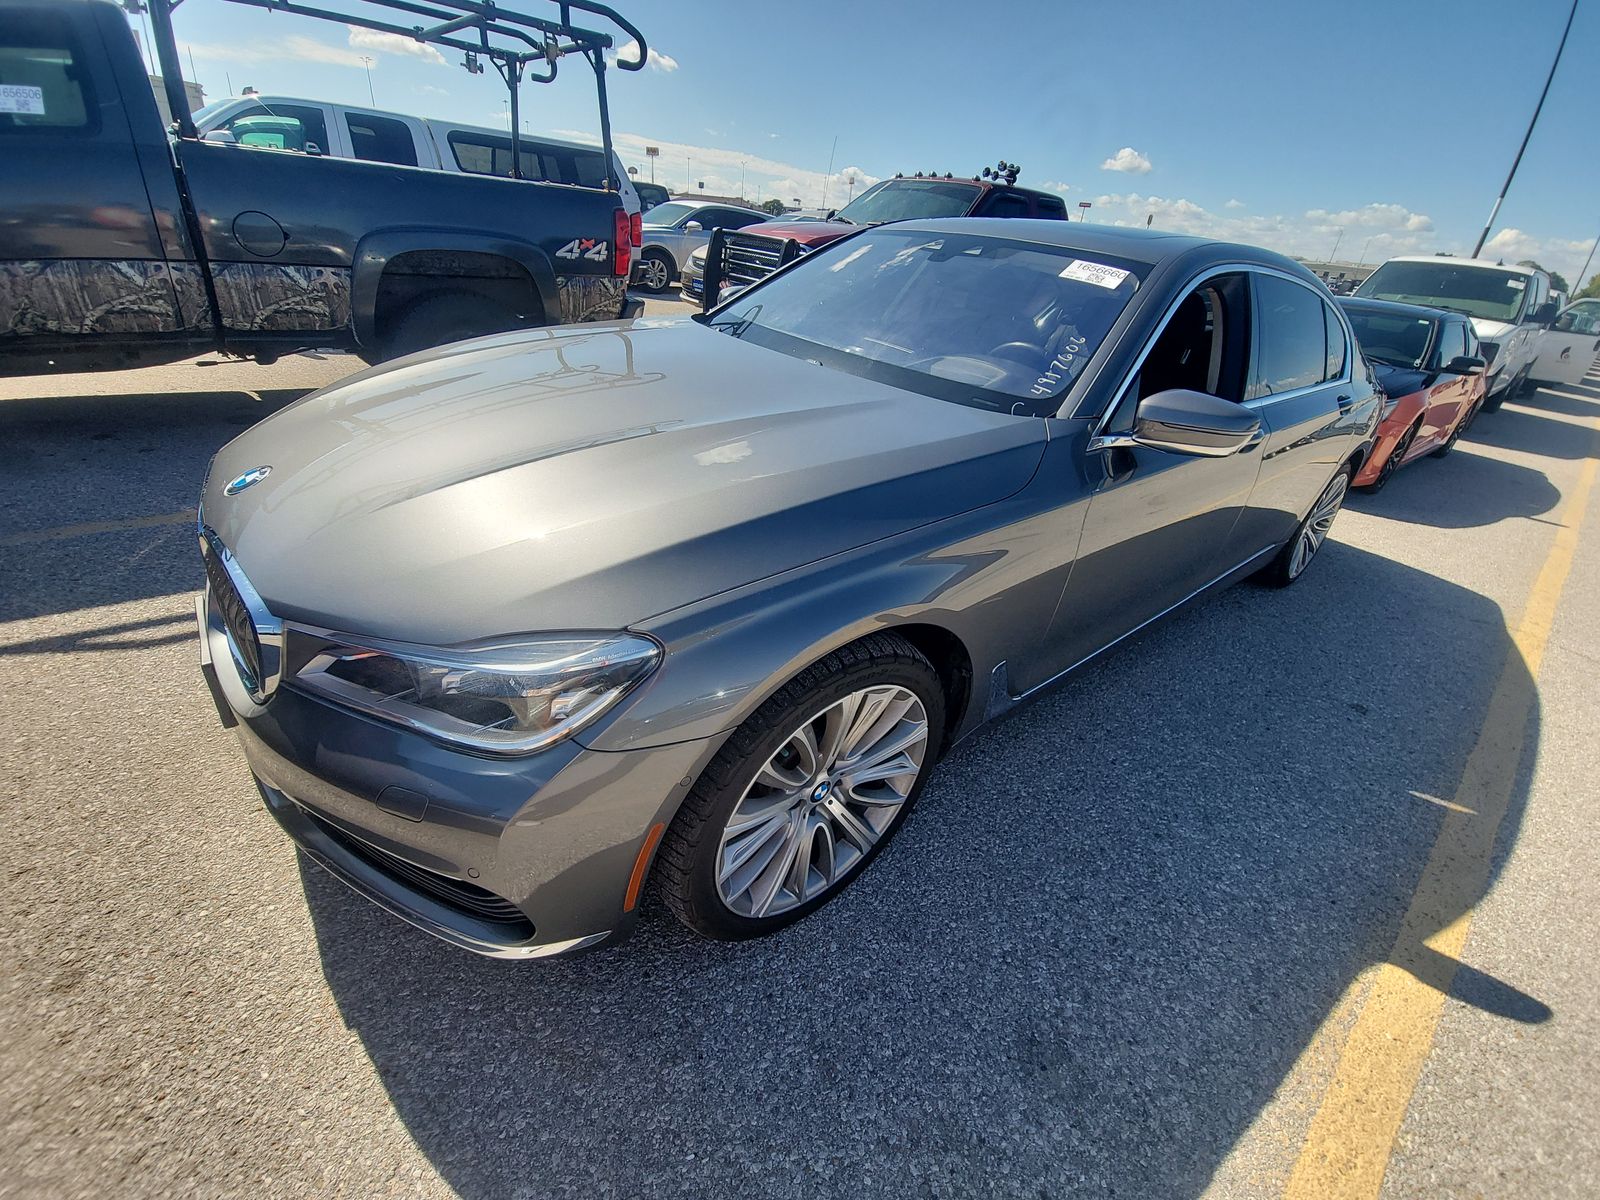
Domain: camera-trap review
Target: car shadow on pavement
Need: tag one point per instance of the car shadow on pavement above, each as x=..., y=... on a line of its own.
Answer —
x=1568, y=399
x=1084, y=966
x=1529, y=431
x=1462, y=491
x=97, y=493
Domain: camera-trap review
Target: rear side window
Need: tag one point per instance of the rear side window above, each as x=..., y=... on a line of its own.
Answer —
x=478, y=154
x=1006, y=206
x=1291, y=336
x=1051, y=206
x=378, y=139
x=44, y=83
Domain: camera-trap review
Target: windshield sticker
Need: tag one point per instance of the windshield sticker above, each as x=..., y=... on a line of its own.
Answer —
x=1091, y=272
x=21, y=99
x=1516, y=285
x=1064, y=366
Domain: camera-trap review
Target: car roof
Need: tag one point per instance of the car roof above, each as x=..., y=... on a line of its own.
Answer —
x=1400, y=309
x=1451, y=260
x=704, y=203
x=1149, y=246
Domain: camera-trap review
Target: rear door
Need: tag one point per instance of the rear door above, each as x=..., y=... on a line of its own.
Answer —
x=81, y=251
x=1313, y=410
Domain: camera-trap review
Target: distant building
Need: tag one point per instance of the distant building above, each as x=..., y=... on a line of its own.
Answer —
x=1355, y=272
x=195, y=93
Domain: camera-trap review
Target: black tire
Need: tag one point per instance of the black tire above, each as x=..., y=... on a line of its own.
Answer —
x=1455, y=434
x=1393, y=462
x=656, y=271
x=1285, y=568
x=1492, y=403
x=444, y=317
x=686, y=867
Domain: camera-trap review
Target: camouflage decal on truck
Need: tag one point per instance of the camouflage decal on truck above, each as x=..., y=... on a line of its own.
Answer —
x=265, y=296
x=87, y=296
x=591, y=297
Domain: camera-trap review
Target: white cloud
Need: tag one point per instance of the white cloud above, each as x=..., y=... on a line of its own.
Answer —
x=720, y=168
x=657, y=60
x=1381, y=230
x=1127, y=160
x=1373, y=216
x=428, y=89
x=1565, y=255
x=295, y=48
x=1234, y=204
x=393, y=43
x=1052, y=186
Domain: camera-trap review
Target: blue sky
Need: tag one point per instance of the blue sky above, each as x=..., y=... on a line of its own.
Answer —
x=1277, y=123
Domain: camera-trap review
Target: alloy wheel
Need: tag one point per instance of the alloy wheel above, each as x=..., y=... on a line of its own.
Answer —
x=1396, y=456
x=817, y=806
x=1315, y=530
x=653, y=273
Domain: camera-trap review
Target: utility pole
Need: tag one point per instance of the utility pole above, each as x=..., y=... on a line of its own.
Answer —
x=1577, y=285
x=829, y=175
x=1517, y=161
x=367, y=62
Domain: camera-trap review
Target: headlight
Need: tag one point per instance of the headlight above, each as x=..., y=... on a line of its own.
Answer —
x=511, y=697
x=698, y=257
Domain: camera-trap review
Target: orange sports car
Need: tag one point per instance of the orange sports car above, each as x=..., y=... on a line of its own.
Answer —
x=1427, y=361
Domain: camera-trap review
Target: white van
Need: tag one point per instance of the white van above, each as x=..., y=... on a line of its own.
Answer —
x=343, y=131
x=1509, y=307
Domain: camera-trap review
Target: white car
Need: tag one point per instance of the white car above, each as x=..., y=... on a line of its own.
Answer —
x=1567, y=350
x=344, y=131
x=1509, y=305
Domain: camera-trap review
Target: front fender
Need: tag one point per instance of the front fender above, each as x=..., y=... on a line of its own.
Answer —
x=990, y=578
x=376, y=250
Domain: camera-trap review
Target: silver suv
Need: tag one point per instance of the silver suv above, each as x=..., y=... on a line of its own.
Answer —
x=675, y=230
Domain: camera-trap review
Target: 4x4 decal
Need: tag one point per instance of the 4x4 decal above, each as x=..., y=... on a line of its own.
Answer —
x=589, y=248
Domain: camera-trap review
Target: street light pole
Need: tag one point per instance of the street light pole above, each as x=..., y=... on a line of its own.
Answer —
x=1517, y=161
x=1577, y=285
x=367, y=62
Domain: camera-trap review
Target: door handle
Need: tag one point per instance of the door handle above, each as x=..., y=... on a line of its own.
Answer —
x=1344, y=403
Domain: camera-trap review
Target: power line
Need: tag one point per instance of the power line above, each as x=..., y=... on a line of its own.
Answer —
x=1495, y=211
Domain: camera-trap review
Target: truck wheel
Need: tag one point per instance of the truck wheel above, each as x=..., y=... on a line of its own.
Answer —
x=446, y=317
x=655, y=271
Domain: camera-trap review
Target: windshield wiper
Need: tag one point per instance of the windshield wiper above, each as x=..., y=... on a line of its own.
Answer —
x=736, y=326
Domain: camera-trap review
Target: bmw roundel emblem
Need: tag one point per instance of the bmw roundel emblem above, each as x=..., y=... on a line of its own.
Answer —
x=249, y=479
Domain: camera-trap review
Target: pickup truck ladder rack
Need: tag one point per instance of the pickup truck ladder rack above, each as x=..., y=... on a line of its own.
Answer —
x=513, y=41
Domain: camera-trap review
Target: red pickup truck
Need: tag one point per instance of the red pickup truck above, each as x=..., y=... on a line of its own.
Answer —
x=741, y=257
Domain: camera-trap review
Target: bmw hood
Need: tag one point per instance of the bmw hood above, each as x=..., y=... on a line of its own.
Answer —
x=1398, y=381
x=586, y=478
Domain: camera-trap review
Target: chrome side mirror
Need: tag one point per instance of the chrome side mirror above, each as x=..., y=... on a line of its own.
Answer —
x=1186, y=422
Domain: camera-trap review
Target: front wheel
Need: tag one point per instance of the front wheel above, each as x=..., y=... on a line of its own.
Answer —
x=1462, y=426
x=1296, y=555
x=805, y=793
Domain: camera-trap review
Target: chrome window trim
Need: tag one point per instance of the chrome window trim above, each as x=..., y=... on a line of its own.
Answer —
x=269, y=629
x=1194, y=281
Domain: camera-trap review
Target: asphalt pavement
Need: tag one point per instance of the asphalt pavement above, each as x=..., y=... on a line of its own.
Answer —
x=1137, y=940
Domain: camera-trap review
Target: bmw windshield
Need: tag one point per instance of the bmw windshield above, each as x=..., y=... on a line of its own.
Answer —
x=986, y=321
x=1485, y=292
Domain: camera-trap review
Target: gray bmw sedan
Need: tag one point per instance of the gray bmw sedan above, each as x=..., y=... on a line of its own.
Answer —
x=514, y=629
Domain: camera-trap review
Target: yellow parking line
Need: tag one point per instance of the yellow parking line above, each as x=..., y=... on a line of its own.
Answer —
x=1347, y=1148
x=186, y=516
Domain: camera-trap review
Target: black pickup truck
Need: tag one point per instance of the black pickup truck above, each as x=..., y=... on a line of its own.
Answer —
x=125, y=244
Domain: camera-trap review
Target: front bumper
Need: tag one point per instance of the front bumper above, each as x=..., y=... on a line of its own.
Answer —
x=520, y=857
